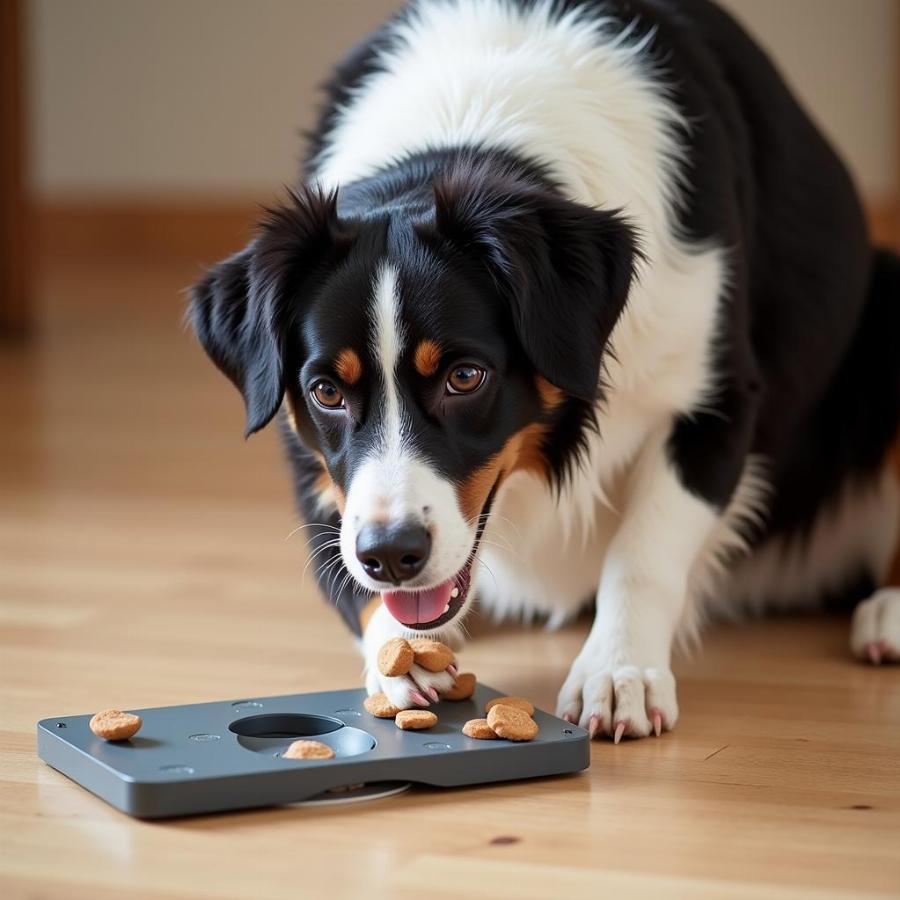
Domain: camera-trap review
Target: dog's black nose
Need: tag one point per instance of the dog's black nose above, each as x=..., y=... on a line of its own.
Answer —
x=395, y=554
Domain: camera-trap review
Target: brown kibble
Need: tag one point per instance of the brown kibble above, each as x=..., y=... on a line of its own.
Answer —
x=519, y=702
x=512, y=723
x=431, y=655
x=415, y=719
x=379, y=705
x=463, y=687
x=115, y=725
x=479, y=728
x=395, y=657
x=308, y=750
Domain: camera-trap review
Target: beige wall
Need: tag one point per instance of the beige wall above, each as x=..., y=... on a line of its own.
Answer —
x=155, y=97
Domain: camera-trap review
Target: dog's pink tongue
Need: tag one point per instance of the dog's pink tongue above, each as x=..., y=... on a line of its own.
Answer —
x=413, y=607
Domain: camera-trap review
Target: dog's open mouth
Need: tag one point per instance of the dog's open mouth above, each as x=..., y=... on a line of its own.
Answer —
x=430, y=607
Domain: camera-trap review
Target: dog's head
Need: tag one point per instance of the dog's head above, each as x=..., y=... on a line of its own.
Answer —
x=425, y=351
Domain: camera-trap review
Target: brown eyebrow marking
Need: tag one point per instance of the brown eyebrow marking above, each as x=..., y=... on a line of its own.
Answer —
x=348, y=365
x=428, y=357
x=551, y=395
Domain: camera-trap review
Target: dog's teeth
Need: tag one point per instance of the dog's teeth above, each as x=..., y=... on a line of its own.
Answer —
x=454, y=593
x=447, y=608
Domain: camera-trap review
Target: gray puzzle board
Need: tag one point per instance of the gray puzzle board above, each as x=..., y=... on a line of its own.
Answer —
x=211, y=757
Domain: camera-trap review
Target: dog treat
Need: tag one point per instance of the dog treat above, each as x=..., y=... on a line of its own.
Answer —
x=512, y=723
x=519, y=702
x=479, y=728
x=462, y=689
x=379, y=705
x=431, y=655
x=395, y=657
x=308, y=750
x=415, y=719
x=115, y=725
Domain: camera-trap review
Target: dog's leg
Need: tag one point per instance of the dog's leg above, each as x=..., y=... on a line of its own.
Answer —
x=420, y=687
x=621, y=683
x=875, y=630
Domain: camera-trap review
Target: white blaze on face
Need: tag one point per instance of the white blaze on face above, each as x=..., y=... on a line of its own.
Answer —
x=387, y=342
x=393, y=485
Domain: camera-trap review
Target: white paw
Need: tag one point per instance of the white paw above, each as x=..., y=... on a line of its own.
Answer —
x=619, y=701
x=875, y=629
x=419, y=688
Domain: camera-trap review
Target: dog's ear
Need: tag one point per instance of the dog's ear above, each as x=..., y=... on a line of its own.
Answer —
x=564, y=268
x=244, y=308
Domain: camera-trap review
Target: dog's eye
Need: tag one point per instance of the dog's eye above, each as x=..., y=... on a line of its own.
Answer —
x=327, y=395
x=465, y=380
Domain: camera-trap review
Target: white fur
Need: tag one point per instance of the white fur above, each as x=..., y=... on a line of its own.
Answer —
x=387, y=345
x=393, y=485
x=622, y=673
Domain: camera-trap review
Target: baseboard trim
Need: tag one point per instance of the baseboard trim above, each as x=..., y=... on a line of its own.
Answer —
x=206, y=230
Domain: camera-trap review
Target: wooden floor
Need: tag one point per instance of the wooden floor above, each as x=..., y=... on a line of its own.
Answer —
x=144, y=561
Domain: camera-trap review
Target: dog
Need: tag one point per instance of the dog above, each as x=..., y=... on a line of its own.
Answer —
x=574, y=305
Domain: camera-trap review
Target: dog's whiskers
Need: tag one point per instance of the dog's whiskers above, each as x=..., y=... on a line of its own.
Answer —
x=323, y=525
x=328, y=545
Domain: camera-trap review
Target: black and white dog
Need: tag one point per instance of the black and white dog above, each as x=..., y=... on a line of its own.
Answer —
x=574, y=304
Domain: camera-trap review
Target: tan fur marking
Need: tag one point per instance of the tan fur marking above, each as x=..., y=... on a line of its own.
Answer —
x=427, y=358
x=348, y=365
x=290, y=412
x=328, y=492
x=366, y=613
x=523, y=451
x=551, y=395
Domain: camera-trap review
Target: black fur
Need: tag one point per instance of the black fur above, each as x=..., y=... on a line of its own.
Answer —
x=246, y=306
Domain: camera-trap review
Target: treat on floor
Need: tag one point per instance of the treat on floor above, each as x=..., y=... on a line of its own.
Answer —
x=115, y=725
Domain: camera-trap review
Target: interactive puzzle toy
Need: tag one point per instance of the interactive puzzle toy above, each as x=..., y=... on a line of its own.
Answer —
x=212, y=757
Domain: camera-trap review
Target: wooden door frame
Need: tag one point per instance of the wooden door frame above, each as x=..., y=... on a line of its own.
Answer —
x=15, y=297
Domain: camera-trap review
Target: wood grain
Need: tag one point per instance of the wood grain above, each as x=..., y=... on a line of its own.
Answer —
x=144, y=561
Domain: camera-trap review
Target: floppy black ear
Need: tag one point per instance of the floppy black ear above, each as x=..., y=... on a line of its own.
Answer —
x=244, y=308
x=565, y=268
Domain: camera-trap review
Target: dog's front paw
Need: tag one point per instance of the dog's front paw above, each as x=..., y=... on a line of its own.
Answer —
x=875, y=630
x=418, y=688
x=619, y=701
